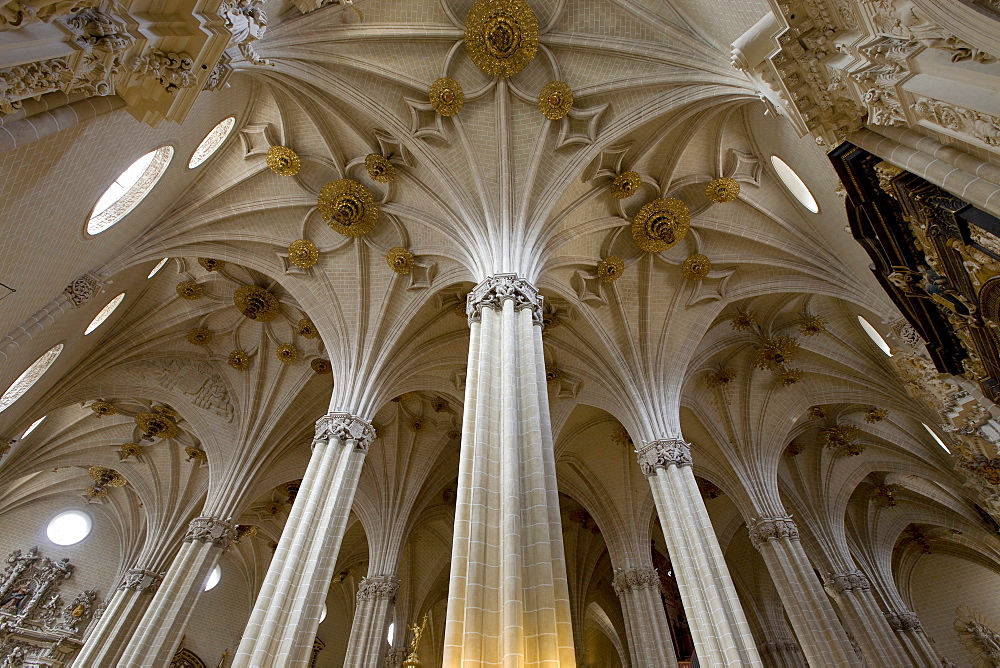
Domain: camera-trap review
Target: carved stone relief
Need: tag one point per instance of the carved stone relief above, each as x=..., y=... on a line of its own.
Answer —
x=194, y=378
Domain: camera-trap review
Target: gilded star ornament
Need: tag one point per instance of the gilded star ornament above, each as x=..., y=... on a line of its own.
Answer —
x=190, y=290
x=743, y=321
x=789, y=377
x=555, y=100
x=660, y=224
x=875, y=414
x=348, y=207
x=812, y=325
x=722, y=189
x=287, y=353
x=239, y=360
x=321, y=366
x=211, y=264
x=721, y=377
x=400, y=260
x=501, y=36
x=303, y=253
x=379, y=168
x=200, y=336
x=696, y=267
x=775, y=351
x=610, y=269
x=625, y=184
x=446, y=96
x=102, y=408
x=283, y=161
x=256, y=303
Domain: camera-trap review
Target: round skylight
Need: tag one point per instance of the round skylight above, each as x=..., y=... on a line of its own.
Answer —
x=29, y=377
x=875, y=336
x=159, y=265
x=212, y=141
x=128, y=189
x=33, y=427
x=104, y=314
x=937, y=439
x=213, y=578
x=795, y=185
x=69, y=528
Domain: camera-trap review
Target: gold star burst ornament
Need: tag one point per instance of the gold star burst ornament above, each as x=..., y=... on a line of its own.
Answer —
x=348, y=207
x=501, y=36
x=446, y=96
x=555, y=100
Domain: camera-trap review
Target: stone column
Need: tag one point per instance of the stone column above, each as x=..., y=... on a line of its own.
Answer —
x=865, y=621
x=508, y=598
x=911, y=634
x=645, y=619
x=159, y=633
x=285, y=617
x=782, y=653
x=719, y=628
x=368, y=645
x=809, y=611
x=106, y=639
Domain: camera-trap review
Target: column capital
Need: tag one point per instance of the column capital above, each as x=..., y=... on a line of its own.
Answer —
x=630, y=579
x=903, y=620
x=767, y=529
x=345, y=427
x=210, y=530
x=663, y=453
x=496, y=289
x=850, y=581
x=378, y=587
x=141, y=580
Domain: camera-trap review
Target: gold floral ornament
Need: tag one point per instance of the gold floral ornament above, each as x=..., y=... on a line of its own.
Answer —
x=196, y=453
x=321, y=366
x=446, y=96
x=102, y=408
x=721, y=377
x=885, y=495
x=744, y=321
x=239, y=360
x=379, y=168
x=875, y=414
x=660, y=224
x=104, y=480
x=416, y=424
x=200, y=336
x=130, y=450
x=287, y=353
x=722, y=189
x=555, y=100
x=812, y=325
x=696, y=267
x=774, y=352
x=211, y=264
x=625, y=185
x=501, y=36
x=256, y=303
x=190, y=290
x=303, y=253
x=156, y=425
x=348, y=207
x=610, y=269
x=841, y=437
x=283, y=161
x=400, y=260
x=789, y=377
x=817, y=412
x=305, y=328
x=244, y=531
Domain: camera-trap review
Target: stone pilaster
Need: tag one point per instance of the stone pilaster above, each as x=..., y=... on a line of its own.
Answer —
x=285, y=617
x=718, y=626
x=159, y=632
x=645, y=619
x=816, y=626
x=106, y=638
x=864, y=620
x=910, y=632
x=376, y=596
x=508, y=598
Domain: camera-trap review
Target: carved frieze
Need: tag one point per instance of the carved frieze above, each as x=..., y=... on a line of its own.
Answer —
x=766, y=529
x=345, y=427
x=663, y=454
x=378, y=587
x=497, y=289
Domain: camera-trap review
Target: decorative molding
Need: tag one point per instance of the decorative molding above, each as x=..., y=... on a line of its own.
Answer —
x=851, y=581
x=17, y=14
x=173, y=71
x=141, y=580
x=767, y=529
x=210, y=530
x=247, y=23
x=496, y=289
x=663, y=454
x=345, y=427
x=903, y=620
x=632, y=579
x=82, y=289
x=378, y=587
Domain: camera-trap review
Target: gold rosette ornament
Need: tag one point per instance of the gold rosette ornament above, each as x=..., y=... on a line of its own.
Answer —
x=256, y=303
x=348, y=207
x=379, y=168
x=303, y=253
x=625, y=184
x=447, y=96
x=283, y=161
x=400, y=260
x=696, y=266
x=190, y=290
x=200, y=336
x=156, y=425
x=130, y=450
x=239, y=360
x=555, y=100
x=722, y=189
x=102, y=408
x=196, y=453
x=306, y=328
x=660, y=224
x=211, y=264
x=287, y=353
x=501, y=36
x=610, y=269
x=321, y=366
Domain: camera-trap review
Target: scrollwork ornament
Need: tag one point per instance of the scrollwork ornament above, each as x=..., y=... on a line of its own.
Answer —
x=303, y=253
x=767, y=529
x=660, y=224
x=379, y=168
x=379, y=587
x=497, y=289
x=663, y=454
x=283, y=161
x=446, y=96
x=82, y=289
x=555, y=100
x=348, y=207
x=210, y=530
x=345, y=427
x=501, y=36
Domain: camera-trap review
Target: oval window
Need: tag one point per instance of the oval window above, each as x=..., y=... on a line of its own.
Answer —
x=157, y=268
x=213, y=578
x=104, y=314
x=212, y=141
x=875, y=336
x=29, y=377
x=33, y=427
x=128, y=189
x=795, y=185
x=69, y=528
x=937, y=439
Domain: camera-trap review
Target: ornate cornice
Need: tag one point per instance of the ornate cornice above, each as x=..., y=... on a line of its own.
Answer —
x=345, y=427
x=498, y=288
x=210, y=530
x=141, y=580
x=378, y=587
x=767, y=529
x=663, y=454
x=851, y=581
x=903, y=620
x=631, y=579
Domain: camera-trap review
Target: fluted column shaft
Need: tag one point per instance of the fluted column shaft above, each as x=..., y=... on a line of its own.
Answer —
x=864, y=619
x=106, y=639
x=367, y=645
x=286, y=615
x=718, y=626
x=508, y=597
x=816, y=626
x=645, y=619
x=910, y=633
x=159, y=633
x=782, y=653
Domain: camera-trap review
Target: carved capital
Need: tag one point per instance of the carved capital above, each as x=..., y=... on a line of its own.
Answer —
x=772, y=528
x=82, y=289
x=210, y=530
x=631, y=579
x=345, y=427
x=141, y=580
x=903, y=620
x=851, y=581
x=779, y=646
x=378, y=587
x=663, y=454
x=495, y=290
